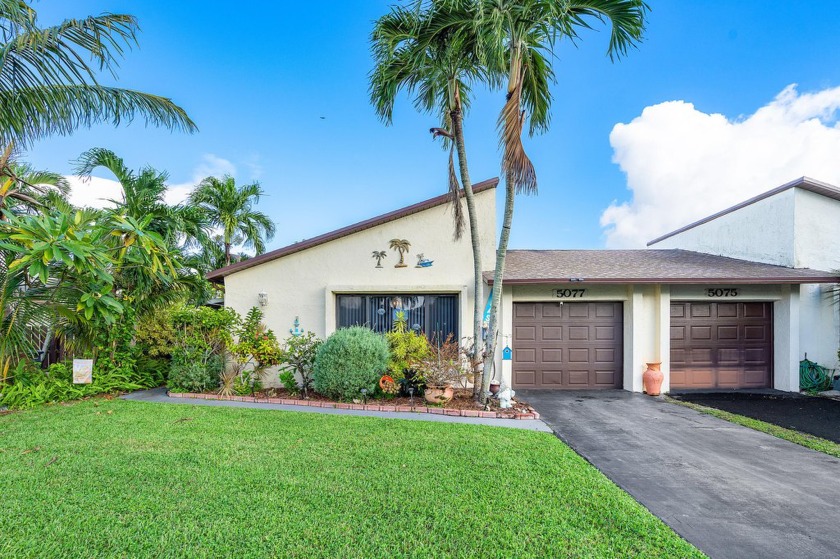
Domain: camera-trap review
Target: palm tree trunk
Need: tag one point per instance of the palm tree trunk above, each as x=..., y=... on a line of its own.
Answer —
x=478, y=282
x=498, y=274
x=227, y=254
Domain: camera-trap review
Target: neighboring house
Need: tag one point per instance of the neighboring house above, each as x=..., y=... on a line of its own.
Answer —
x=716, y=314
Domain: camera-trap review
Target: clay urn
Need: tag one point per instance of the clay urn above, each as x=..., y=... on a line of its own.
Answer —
x=652, y=378
x=495, y=386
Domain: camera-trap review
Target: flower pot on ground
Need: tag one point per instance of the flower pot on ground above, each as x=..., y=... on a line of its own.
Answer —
x=439, y=394
x=441, y=369
x=652, y=379
x=495, y=386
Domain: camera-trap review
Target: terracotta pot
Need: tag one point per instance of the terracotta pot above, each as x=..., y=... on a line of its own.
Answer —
x=438, y=394
x=652, y=379
x=495, y=387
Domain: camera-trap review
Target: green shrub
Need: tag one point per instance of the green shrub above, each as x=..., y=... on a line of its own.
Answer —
x=193, y=370
x=351, y=359
x=257, y=345
x=298, y=361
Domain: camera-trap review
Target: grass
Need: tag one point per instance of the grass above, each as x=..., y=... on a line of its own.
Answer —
x=110, y=478
x=810, y=441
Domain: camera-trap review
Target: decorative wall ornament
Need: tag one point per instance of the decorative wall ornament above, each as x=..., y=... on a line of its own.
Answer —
x=423, y=262
x=297, y=330
x=402, y=246
x=379, y=255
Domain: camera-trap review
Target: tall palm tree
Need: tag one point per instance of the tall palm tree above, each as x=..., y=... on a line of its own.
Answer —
x=181, y=225
x=231, y=208
x=414, y=51
x=24, y=188
x=518, y=36
x=48, y=81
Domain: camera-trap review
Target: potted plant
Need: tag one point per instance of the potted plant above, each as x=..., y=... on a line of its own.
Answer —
x=441, y=370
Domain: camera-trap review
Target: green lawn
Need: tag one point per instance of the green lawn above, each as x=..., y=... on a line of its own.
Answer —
x=126, y=479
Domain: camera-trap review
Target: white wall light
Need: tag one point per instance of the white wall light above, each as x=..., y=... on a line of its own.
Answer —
x=263, y=298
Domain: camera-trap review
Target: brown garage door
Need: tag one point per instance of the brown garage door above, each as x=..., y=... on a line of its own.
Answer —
x=567, y=345
x=721, y=345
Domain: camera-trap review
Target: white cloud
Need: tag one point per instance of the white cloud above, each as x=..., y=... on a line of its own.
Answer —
x=683, y=164
x=96, y=191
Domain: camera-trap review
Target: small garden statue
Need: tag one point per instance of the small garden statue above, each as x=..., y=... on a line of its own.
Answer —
x=379, y=255
x=506, y=395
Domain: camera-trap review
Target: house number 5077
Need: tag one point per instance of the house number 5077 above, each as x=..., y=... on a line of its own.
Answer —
x=569, y=293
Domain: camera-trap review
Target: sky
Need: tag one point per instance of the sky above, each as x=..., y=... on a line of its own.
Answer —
x=723, y=100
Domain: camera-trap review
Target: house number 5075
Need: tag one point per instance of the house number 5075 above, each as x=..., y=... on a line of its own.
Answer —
x=719, y=292
x=569, y=293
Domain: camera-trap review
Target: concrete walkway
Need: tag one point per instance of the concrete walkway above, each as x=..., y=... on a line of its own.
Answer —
x=729, y=490
x=158, y=395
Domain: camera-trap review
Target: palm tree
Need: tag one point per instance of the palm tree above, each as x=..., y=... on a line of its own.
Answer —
x=181, y=225
x=231, y=209
x=402, y=246
x=47, y=85
x=518, y=37
x=416, y=53
x=21, y=186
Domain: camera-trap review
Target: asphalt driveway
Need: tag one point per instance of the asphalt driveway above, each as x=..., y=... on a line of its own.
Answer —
x=729, y=490
x=809, y=414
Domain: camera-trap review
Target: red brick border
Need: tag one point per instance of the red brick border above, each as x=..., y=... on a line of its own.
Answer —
x=532, y=414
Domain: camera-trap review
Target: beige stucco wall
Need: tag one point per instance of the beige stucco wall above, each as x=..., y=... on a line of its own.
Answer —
x=305, y=284
x=647, y=324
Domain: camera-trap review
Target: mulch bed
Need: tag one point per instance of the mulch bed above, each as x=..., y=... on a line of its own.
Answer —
x=807, y=414
x=462, y=404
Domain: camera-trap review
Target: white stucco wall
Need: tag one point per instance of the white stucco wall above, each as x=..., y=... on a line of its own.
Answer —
x=795, y=228
x=761, y=232
x=305, y=284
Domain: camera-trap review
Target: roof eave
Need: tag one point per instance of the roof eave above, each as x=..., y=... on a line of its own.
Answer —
x=694, y=281
x=217, y=276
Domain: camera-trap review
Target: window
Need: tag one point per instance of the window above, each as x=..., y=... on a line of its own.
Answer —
x=434, y=315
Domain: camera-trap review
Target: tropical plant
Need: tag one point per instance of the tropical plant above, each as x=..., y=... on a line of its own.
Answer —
x=402, y=246
x=21, y=186
x=257, y=345
x=298, y=358
x=518, y=37
x=415, y=51
x=443, y=365
x=405, y=347
x=350, y=360
x=48, y=82
x=231, y=208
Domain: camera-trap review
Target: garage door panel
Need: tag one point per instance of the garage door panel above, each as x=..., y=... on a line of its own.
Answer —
x=721, y=344
x=579, y=346
x=551, y=333
x=552, y=379
x=524, y=333
x=524, y=378
x=525, y=355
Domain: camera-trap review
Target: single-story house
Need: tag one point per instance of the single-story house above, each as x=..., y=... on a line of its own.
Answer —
x=732, y=301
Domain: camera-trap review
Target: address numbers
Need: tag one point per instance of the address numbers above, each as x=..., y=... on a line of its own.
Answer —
x=722, y=292
x=569, y=293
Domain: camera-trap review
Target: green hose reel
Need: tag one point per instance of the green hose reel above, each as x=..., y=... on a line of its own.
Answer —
x=814, y=377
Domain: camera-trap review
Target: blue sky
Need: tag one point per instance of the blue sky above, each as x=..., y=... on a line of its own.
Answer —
x=257, y=78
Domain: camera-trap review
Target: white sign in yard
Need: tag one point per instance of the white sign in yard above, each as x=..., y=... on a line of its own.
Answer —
x=82, y=371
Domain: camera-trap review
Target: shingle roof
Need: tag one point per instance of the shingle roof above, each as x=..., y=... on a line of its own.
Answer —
x=647, y=266
x=217, y=275
x=804, y=183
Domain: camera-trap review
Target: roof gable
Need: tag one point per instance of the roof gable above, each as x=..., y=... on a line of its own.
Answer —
x=217, y=275
x=803, y=183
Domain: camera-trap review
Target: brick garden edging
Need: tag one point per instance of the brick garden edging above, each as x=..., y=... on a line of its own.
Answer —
x=365, y=407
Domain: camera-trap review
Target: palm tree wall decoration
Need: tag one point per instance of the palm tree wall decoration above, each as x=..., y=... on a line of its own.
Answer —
x=379, y=255
x=402, y=246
